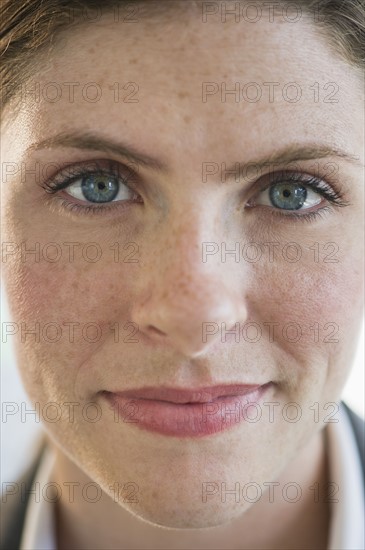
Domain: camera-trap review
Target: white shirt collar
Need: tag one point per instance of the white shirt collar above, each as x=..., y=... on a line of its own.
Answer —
x=345, y=472
x=39, y=527
x=347, y=515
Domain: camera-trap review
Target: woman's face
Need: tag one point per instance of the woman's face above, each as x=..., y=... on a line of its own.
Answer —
x=208, y=166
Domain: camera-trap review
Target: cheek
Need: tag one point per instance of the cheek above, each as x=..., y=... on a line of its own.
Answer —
x=63, y=314
x=64, y=280
x=306, y=294
x=314, y=310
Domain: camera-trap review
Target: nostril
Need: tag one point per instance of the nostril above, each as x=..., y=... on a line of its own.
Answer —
x=155, y=330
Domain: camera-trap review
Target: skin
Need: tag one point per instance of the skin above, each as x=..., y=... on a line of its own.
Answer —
x=169, y=299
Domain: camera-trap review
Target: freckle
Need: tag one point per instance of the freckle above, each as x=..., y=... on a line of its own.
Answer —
x=133, y=61
x=91, y=50
x=187, y=119
x=182, y=95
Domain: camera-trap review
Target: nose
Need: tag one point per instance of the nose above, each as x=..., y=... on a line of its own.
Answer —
x=185, y=303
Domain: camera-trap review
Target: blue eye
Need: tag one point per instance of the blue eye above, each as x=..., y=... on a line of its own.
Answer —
x=295, y=193
x=100, y=188
x=98, y=185
x=288, y=196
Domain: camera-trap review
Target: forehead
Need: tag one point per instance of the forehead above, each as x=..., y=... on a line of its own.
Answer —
x=194, y=78
x=178, y=51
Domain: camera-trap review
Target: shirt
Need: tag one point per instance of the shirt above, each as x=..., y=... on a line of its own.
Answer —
x=346, y=531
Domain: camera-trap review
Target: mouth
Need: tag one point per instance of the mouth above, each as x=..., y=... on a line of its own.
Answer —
x=182, y=412
x=186, y=396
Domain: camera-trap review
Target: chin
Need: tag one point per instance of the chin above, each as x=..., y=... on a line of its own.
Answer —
x=175, y=515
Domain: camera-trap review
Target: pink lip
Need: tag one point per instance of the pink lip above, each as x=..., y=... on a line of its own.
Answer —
x=185, y=413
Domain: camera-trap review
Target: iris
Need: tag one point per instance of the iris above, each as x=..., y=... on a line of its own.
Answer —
x=288, y=196
x=99, y=188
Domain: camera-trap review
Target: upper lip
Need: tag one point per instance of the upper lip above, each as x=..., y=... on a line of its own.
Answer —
x=183, y=395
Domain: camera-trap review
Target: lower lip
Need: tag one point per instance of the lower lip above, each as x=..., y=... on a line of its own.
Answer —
x=185, y=420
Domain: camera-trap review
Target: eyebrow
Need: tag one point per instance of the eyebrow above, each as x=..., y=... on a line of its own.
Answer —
x=86, y=141
x=93, y=142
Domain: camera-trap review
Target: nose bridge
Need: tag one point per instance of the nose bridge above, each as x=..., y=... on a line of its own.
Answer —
x=182, y=263
x=180, y=292
x=182, y=257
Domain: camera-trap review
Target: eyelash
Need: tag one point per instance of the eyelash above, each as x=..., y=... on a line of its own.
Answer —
x=74, y=173
x=331, y=194
x=64, y=180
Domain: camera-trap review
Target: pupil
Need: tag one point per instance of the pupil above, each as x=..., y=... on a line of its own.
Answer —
x=286, y=193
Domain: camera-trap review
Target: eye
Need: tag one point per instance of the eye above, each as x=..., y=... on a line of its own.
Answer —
x=100, y=188
x=289, y=196
x=295, y=192
x=97, y=187
x=298, y=195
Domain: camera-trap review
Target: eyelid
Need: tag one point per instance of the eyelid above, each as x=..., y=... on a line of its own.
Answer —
x=316, y=183
x=312, y=197
x=66, y=176
x=72, y=172
x=331, y=191
x=286, y=176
